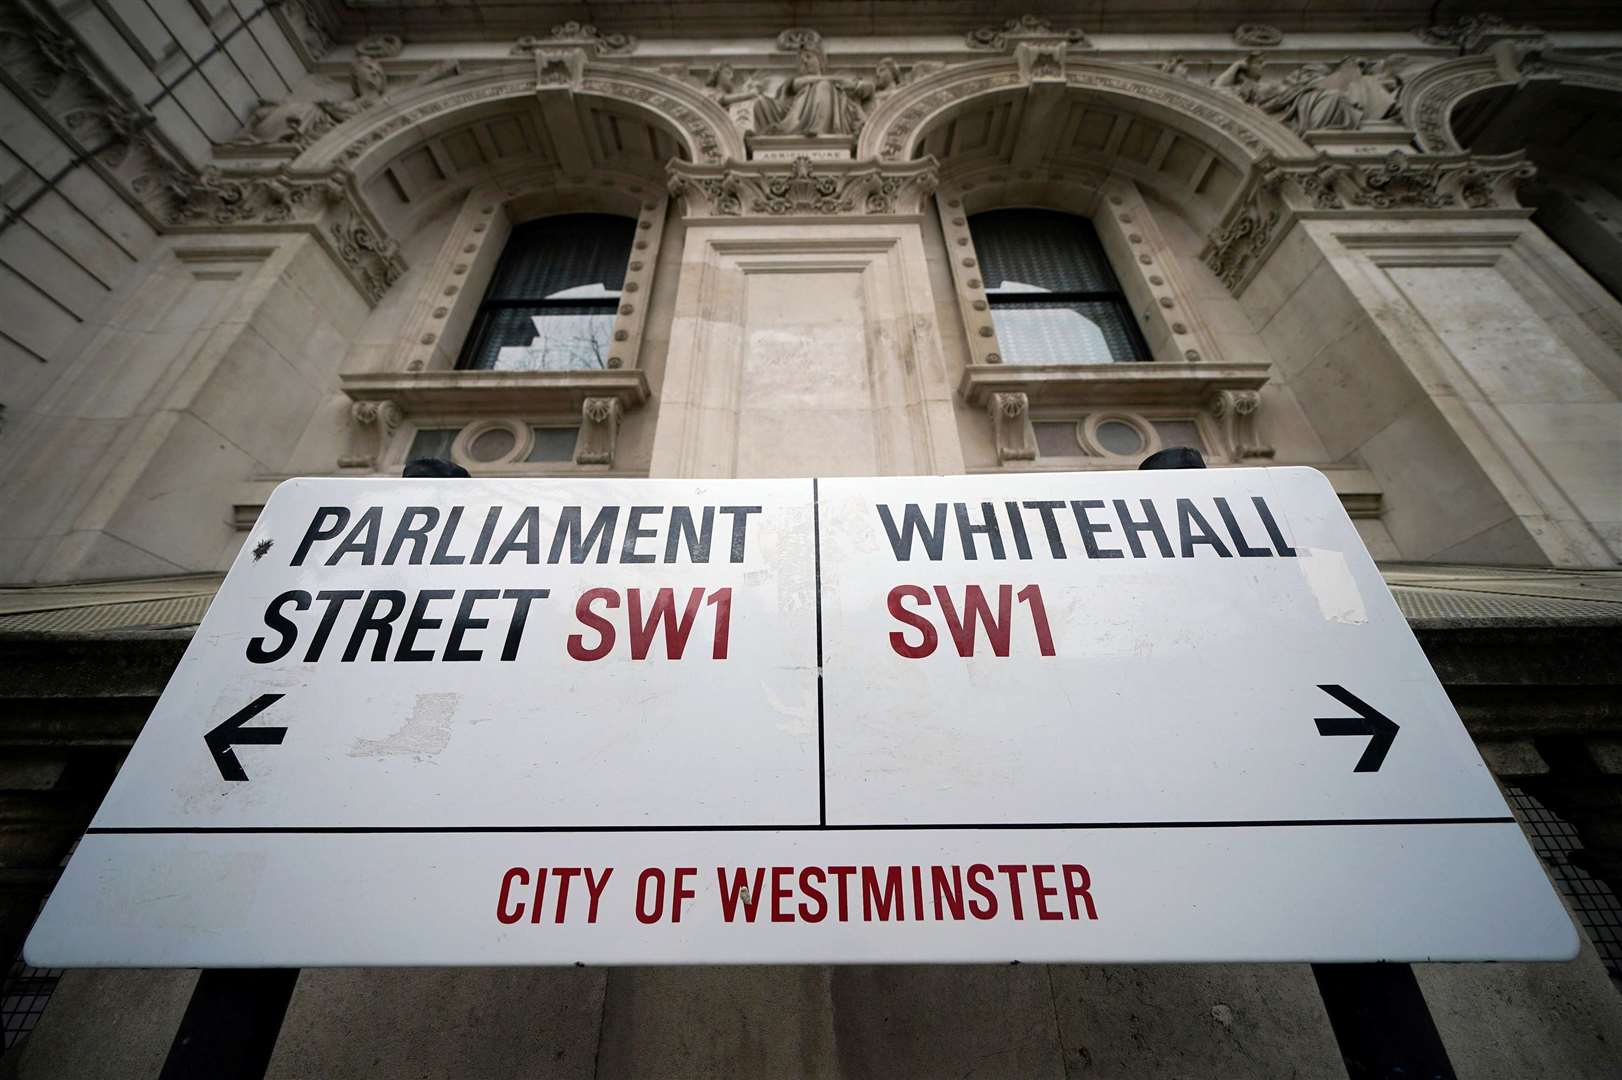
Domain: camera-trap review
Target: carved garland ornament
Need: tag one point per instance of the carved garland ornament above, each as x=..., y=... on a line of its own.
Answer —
x=582, y=35
x=808, y=188
x=1012, y=32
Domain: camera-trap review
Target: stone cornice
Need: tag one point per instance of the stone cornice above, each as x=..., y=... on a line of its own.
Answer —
x=65, y=85
x=803, y=188
x=1399, y=185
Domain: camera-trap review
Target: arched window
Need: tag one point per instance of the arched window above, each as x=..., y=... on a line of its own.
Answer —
x=1053, y=297
x=551, y=302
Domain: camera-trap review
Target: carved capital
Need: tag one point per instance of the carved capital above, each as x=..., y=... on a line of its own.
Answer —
x=1011, y=427
x=804, y=188
x=599, y=431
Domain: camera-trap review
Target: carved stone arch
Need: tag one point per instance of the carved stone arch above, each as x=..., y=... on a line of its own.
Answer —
x=1236, y=131
x=1430, y=98
x=697, y=126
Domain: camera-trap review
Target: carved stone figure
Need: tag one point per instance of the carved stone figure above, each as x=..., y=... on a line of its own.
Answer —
x=1242, y=78
x=822, y=104
x=285, y=123
x=1175, y=65
x=755, y=102
x=887, y=75
x=299, y=123
x=1343, y=98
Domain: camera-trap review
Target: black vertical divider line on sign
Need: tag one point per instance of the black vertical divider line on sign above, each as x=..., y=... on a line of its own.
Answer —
x=816, y=562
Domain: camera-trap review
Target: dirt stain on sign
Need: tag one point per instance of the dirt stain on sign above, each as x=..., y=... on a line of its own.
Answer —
x=426, y=733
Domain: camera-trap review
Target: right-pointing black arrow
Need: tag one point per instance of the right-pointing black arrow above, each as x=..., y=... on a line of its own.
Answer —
x=1368, y=721
x=232, y=733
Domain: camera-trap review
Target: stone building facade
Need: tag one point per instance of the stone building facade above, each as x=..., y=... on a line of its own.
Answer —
x=246, y=241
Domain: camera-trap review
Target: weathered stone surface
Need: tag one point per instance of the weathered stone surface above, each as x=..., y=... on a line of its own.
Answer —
x=1232, y=1021
x=902, y=1022
x=669, y=1023
x=104, y=1024
x=486, y=1023
x=1510, y=1021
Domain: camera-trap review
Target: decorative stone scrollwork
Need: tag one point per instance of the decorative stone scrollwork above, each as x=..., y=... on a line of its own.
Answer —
x=380, y=46
x=582, y=35
x=1235, y=413
x=599, y=431
x=1400, y=182
x=1235, y=246
x=376, y=422
x=796, y=38
x=820, y=188
x=1257, y=36
x=1012, y=32
x=322, y=202
x=1476, y=33
x=1011, y=427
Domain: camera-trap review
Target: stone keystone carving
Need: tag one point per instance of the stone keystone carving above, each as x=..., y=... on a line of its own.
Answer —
x=1011, y=427
x=821, y=188
x=582, y=35
x=1025, y=28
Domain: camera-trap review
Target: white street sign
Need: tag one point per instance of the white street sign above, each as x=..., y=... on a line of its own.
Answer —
x=1162, y=716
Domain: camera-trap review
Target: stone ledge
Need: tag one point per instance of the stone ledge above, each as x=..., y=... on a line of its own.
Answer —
x=477, y=392
x=1109, y=384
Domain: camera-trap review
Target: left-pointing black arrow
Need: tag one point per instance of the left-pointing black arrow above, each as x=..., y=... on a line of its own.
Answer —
x=232, y=733
x=1368, y=721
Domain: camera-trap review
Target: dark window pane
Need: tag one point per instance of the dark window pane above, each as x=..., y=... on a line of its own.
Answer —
x=573, y=255
x=1057, y=440
x=1024, y=251
x=432, y=442
x=492, y=445
x=1179, y=433
x=527, y=321
x=553, y=444
x=1050, y=332
x=1118, y=437
x=536, y=338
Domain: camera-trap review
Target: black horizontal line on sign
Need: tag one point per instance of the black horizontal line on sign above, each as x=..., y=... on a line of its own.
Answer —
x=1285, y=823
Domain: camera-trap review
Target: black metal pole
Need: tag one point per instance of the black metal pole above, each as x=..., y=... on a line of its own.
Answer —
x=231, y=1024
x=1381, y=1022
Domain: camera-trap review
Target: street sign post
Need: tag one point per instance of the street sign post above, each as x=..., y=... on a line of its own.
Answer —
x=1164, y=716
